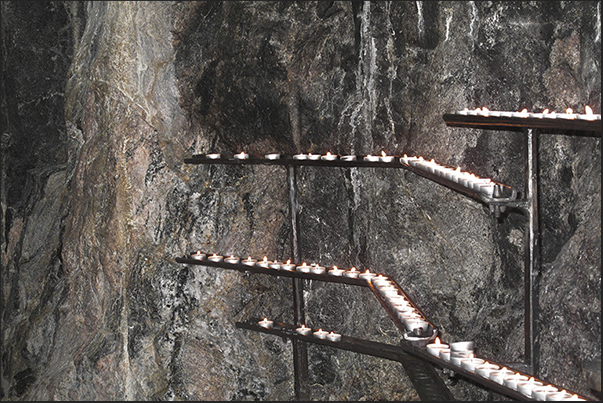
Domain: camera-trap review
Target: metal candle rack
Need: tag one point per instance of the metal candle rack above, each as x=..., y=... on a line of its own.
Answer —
x=411, y=353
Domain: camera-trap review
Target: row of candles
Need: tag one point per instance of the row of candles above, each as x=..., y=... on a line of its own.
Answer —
x=466, y=179
x=404, y=310
x=306, y=331
x=313, y=268
x=461, y=354
x=545, y=114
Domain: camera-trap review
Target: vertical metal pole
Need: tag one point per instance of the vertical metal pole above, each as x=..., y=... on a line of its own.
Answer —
x=532, y=264
x=300, y=348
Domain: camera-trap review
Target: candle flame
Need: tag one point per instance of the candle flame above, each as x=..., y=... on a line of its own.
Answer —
x=353, y=269
x=544, y=112
x=334, y=267
x=288, y=261
x=484, y=109
x=367, y=271
x=303, y=326
x=569, y=111
x=265, y=259
x=532, y=379
x=437, y=340
x=405, y=156
x=383, y=153
x=588, y=110
x=458, y=169
x=329, y=153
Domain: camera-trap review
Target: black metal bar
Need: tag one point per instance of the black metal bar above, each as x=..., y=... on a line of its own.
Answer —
x=300, y=349
x=390, y=352
x=550, y=126
x=532, y=258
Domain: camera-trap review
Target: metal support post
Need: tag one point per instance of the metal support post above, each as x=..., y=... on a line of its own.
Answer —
x=300, y=348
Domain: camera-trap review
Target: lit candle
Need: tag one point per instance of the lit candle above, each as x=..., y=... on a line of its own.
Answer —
x=483, y=112
x=300, y=156
x=386, y=158
x=522, y=114
x=333, y=337
x=371, y=158
x=213, y=156
x=232, y=259
x=313, y=157
x=540, y=392
x=335, y=271
x=381, y=280
x=404, y=159
x=408, y=316
x=569, y=114
x=288, y=266
x=266, y=323
x=272, y=156
x=348, y=158
x=485, y=369
x=470, y=363
x=320, y=334
x=352, y=273
x=275, y=265
x=588, y=114
x=549, y=115
x=303, y=330
x=367, y=275
x=436, y=347
x=318, y=269
x=263, y=263
x=389, y=291
x=215, y=258
x=463, y=112
x=328, y=157
x=198, y=255
x=473, y=112
x=304, y=268
x=526, y=387
x=511, y=381
x=249, y=261
x=241, y=156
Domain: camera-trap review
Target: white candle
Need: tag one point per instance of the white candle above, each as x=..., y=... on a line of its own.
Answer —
x=300, y=156
x=404, y=159
x=304, y=268
x=288, y=266
x=485, y=369
x=313, y=157
x=242, y=156
x=352, y=273
x=263, y=263
x=335, y=271
x=540, y=392
x=213, y=156
x=522, y=114
x=569, y=114
x=483, y=112
x=462, y=346
x=457, y=356
x=511, y=381
x=198, y=255
x=249, y=261
x=499, y=375
x=470, y=363
x=328, y=157
x=215, y=258
x=333, y=337
x=558, y=396
x=275, y=265
x=386, y=158
x=371, y=158
x=272, y=156
x=320, y=334
x=303, y=330
x=381, y=280
x=266, y=323
x=473, y=112
x=318, y=269
x=526, y=387
x=348, y=158
x=463, y=112
x=588, y=114
x=367, y=275
x=436, y=347
x=231, y=259
x=416, y=325
x=445, y=354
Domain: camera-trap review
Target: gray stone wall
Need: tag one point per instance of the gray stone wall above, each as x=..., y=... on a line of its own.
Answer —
x=103, y=101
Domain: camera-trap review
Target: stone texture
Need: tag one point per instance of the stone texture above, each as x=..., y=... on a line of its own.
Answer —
x=103, y=101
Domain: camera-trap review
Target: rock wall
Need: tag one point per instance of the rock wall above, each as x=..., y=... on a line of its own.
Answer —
x=103, y=101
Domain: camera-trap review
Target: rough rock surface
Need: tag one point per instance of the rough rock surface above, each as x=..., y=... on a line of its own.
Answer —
x=103, y=101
